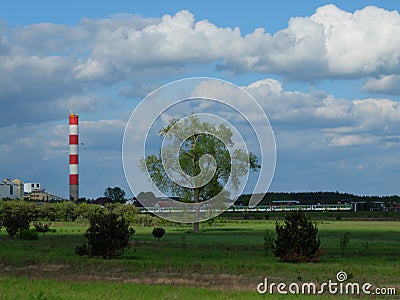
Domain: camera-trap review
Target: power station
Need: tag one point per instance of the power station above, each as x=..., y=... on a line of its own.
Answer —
x=73, y=157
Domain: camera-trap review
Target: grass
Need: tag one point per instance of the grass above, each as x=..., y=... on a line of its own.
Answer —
x=224, y=261
x=38, y=289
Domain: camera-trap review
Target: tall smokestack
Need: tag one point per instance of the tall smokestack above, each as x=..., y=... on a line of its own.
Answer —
x=73, y=157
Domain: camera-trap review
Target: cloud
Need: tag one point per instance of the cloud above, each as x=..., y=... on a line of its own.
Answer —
x=102, y=135
x=296, y=110
x=43, y=39
x=389, y=84
x=79, y=104
x=350, y=140
x=342, y=122
x=330, y=43
x=360, y=43
x=330, y=121
x=325, y=143
x=41, y=72
x=174, y=41
x=381, y=115
x=31, y=85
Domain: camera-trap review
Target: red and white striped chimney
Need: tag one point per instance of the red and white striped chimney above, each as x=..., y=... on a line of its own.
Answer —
x=73, y=157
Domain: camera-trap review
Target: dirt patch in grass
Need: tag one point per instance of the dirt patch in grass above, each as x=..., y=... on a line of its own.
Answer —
x=162, y=244
x=72, y=273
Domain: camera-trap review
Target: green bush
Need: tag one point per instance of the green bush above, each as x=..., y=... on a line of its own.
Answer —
x=297, y=239
x=344, y=242
x=158, y=233
x=268, y=241
x=43, y=228
x=16, y=216
x=82, y=250
x=28, y=234
x=108, y=236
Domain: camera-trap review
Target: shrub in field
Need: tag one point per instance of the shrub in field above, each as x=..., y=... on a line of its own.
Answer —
x=16, y=216
x=43, y=228
x=158, y=233
x=268, y=241
x=184, y=242
x=82, y=250
x=366, y=247
x=28, y=234
x=108, y=236
x=344, y=242
x=13, y=224
x=297, y=239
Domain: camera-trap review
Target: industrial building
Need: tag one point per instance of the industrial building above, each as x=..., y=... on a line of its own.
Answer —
x=42, y=196
x=29, y=187
x=11, y=189
x=30, y=191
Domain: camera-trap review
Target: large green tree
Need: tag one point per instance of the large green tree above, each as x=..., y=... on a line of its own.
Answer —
x=17, y=215
x=116, y=194
x=204, y=163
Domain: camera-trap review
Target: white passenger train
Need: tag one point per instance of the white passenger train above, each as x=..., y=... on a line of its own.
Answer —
x=278, y=207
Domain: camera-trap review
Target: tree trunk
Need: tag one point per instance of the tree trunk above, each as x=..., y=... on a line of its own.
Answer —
x=196, y=224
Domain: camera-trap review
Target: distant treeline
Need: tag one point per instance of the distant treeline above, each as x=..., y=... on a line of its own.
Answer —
x=318, y=197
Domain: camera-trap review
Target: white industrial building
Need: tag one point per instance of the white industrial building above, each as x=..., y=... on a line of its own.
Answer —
x=29, y=187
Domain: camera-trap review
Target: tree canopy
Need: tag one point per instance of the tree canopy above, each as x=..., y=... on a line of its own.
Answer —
x=198, y=160
x=116, y=194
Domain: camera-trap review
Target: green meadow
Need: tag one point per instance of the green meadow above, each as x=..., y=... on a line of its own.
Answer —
x=224, y=261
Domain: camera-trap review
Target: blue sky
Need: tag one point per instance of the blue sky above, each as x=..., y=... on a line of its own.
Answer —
x=327, y=74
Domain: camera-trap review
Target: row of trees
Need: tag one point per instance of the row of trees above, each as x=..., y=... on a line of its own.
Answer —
x=17, y=215
x=61, y=211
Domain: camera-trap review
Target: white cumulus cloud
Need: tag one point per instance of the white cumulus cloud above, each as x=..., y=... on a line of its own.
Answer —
x=387, y=84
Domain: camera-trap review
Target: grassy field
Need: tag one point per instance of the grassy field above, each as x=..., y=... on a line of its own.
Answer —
x=26, y=288
x=223, y=261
